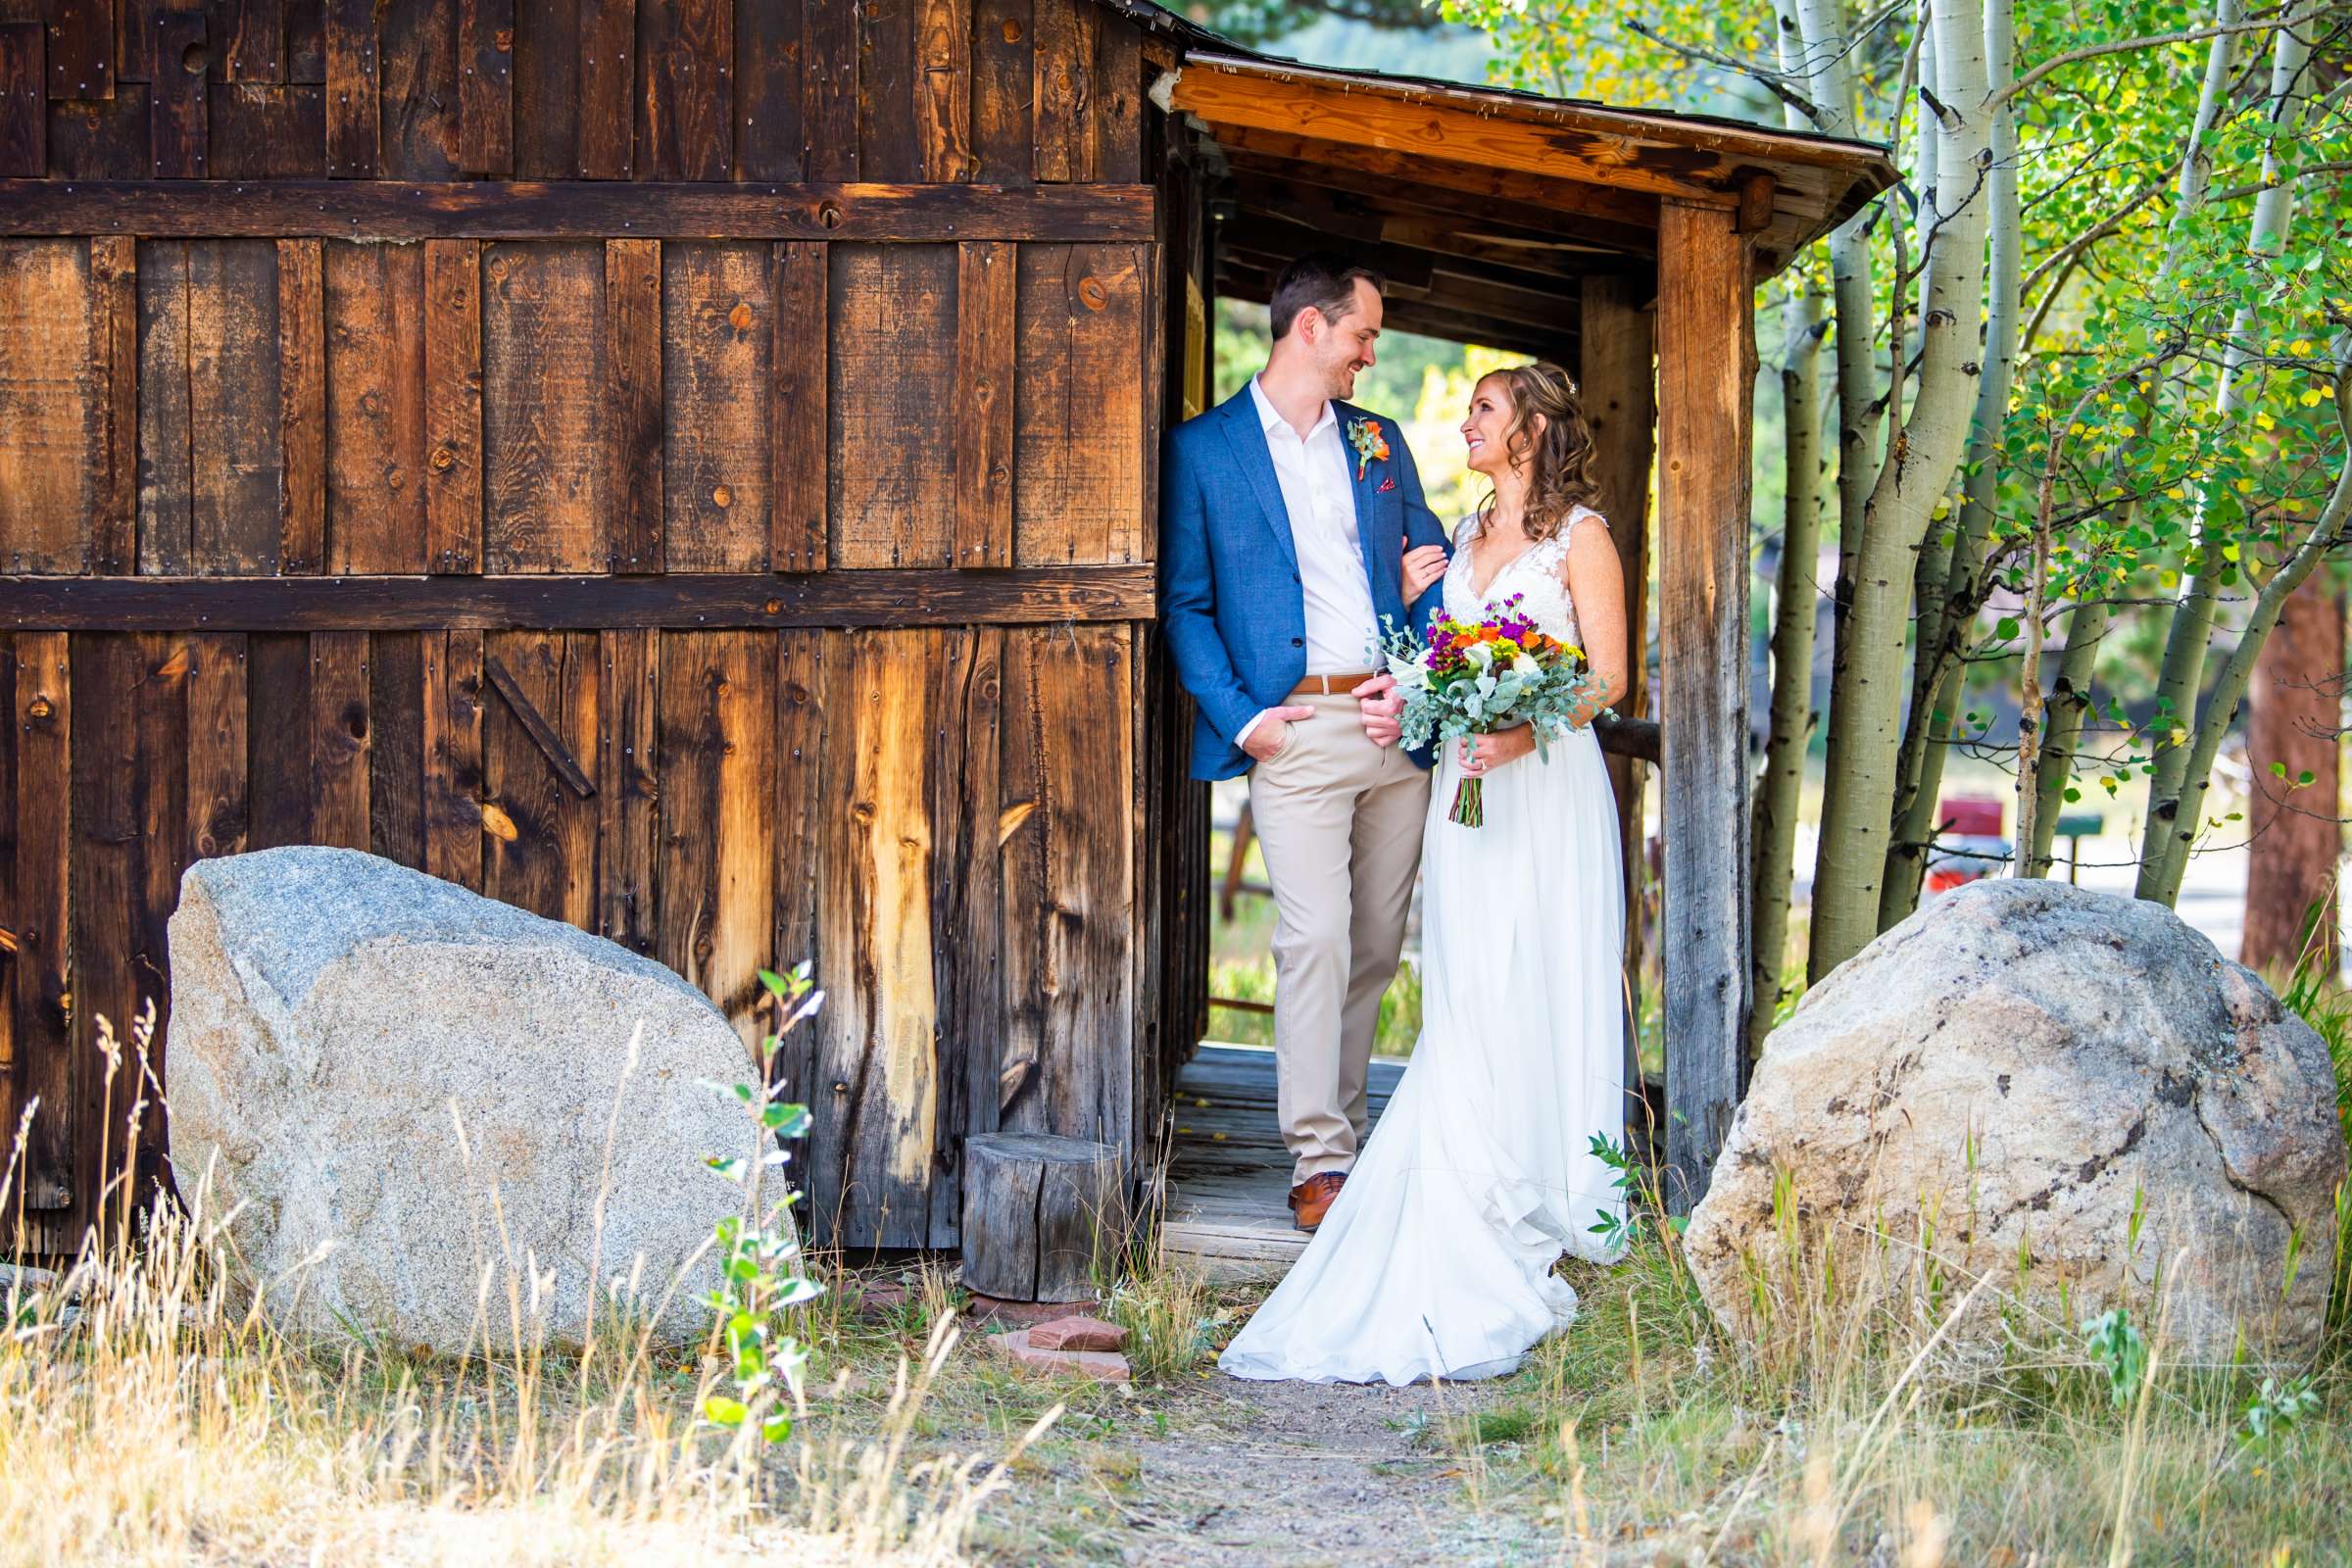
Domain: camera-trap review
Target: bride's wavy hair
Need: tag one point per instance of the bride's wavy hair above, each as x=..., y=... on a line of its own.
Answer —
x=1558, y=458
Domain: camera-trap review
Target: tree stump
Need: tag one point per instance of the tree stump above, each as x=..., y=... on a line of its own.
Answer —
x=1041, y=1214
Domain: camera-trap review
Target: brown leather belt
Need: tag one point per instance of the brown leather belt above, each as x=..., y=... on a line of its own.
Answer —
x=1330, y=685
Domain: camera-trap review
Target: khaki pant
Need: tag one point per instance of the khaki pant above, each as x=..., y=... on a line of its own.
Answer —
x=1339, y=821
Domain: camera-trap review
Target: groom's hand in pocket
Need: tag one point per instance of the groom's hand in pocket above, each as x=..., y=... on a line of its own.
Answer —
x=1272, y=732
x=1380, y=705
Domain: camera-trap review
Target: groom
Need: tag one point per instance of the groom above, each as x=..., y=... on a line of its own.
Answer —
x=1283, y=517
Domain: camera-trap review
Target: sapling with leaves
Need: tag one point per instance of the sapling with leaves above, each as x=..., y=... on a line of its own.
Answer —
x=760, y=1278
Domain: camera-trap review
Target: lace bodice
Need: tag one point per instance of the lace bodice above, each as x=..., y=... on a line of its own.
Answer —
x=1535, y=576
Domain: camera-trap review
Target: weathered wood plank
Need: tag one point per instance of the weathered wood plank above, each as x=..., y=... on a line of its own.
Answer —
x=1068, y=876
x=1078, y=438
x=634, y=324
x=453, y=405
x=339, y=739
x=114, y=370
x=547, y=107
x=178, y=127
x=891, y=372
x=716, y=706
x=263, y=132
x=235, y=447
x=943, y=88
x=9, y=1106
x=1117, y=120
x=277, y=766
x=105, y=834
x=1703, y=316
x=829, y=97
x=545, y=407
x=40, y=969
x=24, y=106
x=767, y=88
x=798, y=440
x=354, y=131
x=302, y=405
x=375, y=408
x=100, y=138
x=542, y=840
x=802, y=778
x=627, y=789
x=966, y=902
x=887, y=128
x=1066, y=148
x=216, y=744
x=486, y=86
x=306, y=41
x=48, y=406
x=453, y=757
x=986, y=300
x=80, y=48
x=158, y=787
x=1004, y=92
x=253, y=40
x=165, y=476
x=875, y=598
x=1043, y=1217
x=685, y=53
x=717, y=333
x=358, y=208
x=396, y=747
x=607, y=79
x=878, y=1084
x=418, y=90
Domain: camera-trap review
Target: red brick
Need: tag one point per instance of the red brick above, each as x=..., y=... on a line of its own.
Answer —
x=1099, y=1365
x=1079, y=1333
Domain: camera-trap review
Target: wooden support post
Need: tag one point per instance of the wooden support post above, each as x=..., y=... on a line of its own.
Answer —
x=1617, y=382
x=1042, y=1215
x=1703, y=348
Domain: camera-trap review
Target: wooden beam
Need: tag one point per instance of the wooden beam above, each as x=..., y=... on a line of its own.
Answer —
x=534, y=724
x=1616, y=384
x=1590, y=152
x=1703, y=384
x=1633, y=209
x=1480, y=202
x=683, y=601
x=377, y=209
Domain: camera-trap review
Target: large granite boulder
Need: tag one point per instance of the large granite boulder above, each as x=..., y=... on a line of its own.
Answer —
x=2006, y=1078
x=407, y=1094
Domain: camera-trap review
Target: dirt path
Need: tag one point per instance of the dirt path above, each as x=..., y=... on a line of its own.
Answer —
x=1305, y=1474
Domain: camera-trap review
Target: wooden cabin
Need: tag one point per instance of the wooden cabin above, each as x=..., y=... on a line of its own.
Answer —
x=686, y=467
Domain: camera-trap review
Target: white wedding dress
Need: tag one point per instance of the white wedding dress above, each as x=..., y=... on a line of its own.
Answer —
x=1435, y=1260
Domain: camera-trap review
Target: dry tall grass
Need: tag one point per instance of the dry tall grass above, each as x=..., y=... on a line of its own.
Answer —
x=147, y=1415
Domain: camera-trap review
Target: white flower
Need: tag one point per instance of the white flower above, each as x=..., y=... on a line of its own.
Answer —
x=1408, y=672
x=1480, y=653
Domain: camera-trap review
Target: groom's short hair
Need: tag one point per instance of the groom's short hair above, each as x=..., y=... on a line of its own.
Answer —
x=1324, y=279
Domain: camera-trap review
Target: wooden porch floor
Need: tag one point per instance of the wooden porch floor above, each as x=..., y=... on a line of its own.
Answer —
x=1228, y=1175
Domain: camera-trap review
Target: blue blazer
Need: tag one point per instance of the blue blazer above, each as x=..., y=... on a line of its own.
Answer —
x=1231, y=603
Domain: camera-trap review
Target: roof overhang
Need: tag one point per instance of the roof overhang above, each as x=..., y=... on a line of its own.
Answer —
x=1485, y=208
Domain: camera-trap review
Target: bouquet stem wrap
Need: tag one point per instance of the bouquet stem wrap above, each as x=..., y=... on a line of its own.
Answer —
x=1469, y=804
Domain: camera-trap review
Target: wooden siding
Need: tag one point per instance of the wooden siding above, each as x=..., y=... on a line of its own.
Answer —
x=748, y=569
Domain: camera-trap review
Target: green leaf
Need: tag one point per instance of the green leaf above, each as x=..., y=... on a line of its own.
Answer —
x=725, y=1411
x=2005, y=628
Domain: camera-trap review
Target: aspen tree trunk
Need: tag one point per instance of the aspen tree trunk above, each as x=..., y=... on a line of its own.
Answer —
x=2087, y=628
x=1823, y=30
x=2171, y=828
x=1866, y=697
x=1947, y=610
x=2230, y=687
x=1773, y=832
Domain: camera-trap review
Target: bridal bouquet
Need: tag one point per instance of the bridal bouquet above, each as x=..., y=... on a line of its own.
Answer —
x=1475, y=678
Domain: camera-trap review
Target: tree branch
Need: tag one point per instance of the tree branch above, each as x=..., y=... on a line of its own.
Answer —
x=2150, y=41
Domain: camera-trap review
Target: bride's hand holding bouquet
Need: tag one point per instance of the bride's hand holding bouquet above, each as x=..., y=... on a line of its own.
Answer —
x=1479, y=681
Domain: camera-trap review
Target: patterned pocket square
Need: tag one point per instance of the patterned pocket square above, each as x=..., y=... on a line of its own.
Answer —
x=1387, y=485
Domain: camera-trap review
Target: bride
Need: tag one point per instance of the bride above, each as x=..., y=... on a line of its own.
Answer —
x=1436, y=1258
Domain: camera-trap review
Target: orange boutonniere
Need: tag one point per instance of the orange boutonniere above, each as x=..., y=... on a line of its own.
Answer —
x=1371, y=446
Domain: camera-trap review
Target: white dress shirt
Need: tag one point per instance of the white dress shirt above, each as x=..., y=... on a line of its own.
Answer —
x=1319, y=491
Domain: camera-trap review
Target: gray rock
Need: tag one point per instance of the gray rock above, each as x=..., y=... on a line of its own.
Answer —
x=2012, y=1073
x=406, y=1095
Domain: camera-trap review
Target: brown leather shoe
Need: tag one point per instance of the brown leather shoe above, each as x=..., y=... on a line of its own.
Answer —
x=1312, y=1198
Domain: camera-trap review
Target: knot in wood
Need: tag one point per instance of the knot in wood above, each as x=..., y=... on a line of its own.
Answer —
x=740, y=317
